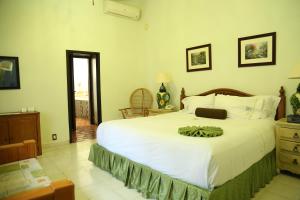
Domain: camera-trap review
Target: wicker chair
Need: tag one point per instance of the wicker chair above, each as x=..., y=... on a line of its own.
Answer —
x=140, y=101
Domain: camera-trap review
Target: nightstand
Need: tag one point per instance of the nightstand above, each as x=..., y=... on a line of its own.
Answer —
x=156, y=111
x=288, y=146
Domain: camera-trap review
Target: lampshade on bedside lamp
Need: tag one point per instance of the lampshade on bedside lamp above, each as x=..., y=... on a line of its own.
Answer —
x=295, y=73
x=163, y=97
x=295, y=98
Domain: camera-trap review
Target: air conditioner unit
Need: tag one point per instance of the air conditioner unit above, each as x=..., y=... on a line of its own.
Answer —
x=116, y=8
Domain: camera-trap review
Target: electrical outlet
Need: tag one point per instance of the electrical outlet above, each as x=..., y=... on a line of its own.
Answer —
x=54, y=137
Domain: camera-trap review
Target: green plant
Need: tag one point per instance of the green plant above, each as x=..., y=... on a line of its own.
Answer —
x=294, y=100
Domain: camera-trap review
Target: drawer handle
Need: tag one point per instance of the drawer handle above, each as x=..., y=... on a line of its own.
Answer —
x=295, y=162
x=296, y=150
x=296, y=136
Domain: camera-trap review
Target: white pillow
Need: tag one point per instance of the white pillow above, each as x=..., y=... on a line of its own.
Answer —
x=265, y=107
x=193, y=102
x=236, y=107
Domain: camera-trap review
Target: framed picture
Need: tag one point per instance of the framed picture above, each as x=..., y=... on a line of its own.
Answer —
x=9, y=73
x=198, y=58
x=257, y=50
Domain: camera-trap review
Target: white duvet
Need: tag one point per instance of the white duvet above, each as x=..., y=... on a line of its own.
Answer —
x=205, y=162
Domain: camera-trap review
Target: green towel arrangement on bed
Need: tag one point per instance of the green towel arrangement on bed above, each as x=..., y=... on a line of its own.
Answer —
x=198, y=131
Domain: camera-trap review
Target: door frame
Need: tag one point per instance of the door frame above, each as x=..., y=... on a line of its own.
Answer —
x=70, y=54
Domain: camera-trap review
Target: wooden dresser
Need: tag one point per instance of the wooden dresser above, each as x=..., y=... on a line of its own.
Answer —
x=17, y=127
x=288, y=146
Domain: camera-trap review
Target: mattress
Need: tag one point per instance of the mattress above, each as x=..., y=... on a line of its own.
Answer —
x=205, y=162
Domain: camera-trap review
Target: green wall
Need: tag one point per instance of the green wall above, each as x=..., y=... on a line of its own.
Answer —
x=133, y=52
x=176, y=25
x=40, y=31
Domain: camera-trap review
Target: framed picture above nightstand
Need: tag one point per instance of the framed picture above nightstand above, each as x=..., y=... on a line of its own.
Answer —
x=288, y=146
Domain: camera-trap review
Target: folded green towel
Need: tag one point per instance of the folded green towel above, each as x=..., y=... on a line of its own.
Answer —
x=198, y=131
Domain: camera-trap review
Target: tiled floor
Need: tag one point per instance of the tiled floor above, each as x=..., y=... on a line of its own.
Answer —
x=70, y=161
x=84, y=130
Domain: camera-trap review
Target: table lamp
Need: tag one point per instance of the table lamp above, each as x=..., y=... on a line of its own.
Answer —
x=163, y=97
x=295, y=98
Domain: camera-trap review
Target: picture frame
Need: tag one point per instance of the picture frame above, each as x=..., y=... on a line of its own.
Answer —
x=257, y=50
x=9, y=73
x=198, y=58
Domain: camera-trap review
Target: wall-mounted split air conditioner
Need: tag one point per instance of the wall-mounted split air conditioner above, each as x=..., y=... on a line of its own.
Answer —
x=116, y=8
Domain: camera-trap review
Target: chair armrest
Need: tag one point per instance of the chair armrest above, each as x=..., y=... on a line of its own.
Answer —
x=18, y=151
x=124, y=112
x=124, y=109
x=64, y=190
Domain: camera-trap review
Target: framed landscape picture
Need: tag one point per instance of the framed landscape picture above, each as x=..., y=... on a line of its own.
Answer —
x=257, y=50
x=198, y=58
x=9, y=73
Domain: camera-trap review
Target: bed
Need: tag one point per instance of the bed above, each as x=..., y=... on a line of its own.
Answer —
x=149, y=155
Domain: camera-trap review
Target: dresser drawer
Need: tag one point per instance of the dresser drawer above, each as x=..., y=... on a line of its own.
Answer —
x=289, y=162
x=289, y=134
x=287, y=146
x=290, y=159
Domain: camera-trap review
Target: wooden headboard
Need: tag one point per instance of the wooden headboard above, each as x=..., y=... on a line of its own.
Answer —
x=280, y=113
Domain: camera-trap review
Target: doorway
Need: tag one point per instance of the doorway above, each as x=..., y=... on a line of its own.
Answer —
x=84, y=94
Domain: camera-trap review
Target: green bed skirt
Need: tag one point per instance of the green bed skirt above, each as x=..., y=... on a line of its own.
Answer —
x=154, y=184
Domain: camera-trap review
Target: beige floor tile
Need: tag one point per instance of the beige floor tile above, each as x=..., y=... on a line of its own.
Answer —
x=79, y=195
x=100, y=192
x=288, y=180
x=91, y=183
x=264, y=195
x=287, y=191
x=128, y=194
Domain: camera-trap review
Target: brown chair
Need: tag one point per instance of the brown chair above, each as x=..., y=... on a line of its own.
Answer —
x=57, y=190
x=140, y=101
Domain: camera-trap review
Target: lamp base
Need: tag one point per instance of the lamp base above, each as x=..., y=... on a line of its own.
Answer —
x=163, y=99
x=293, y=119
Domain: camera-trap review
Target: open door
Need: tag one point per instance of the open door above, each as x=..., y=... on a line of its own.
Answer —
x=84, y=98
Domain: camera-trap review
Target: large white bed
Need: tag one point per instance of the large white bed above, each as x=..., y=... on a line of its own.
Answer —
x=150, y=155
x=205, y=162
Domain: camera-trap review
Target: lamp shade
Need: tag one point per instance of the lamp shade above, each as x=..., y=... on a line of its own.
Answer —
x=162, y=78
x=295, y=73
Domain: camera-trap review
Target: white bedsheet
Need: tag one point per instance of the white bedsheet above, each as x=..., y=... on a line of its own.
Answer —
x=205, y=162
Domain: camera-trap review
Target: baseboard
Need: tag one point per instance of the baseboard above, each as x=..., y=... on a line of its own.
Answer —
x=54, y=144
